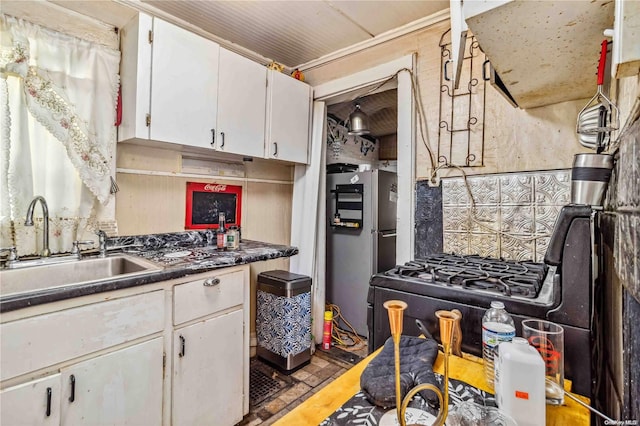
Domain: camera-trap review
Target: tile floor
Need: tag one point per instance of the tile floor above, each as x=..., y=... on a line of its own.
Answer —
x=293, y=389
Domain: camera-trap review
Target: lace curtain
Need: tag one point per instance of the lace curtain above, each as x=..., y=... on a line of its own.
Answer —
x=58, y=99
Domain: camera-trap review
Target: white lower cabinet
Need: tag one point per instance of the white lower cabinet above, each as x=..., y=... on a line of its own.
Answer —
x=120, y=388
x=33, y=403
x=175, y=355
x=208, y=370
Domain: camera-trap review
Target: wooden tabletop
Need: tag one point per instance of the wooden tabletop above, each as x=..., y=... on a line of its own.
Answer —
x=468, y=369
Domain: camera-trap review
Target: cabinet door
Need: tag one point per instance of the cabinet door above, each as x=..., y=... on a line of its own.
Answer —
x=289, y=109
x=32, y=403
x=208, y=372
x=120, y=388
x=458, y=41
x=184, y=86
x=135, y=77
x=83, y=329
x=242, y=100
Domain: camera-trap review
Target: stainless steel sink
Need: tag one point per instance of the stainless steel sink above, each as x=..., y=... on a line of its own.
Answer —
x=13, y=281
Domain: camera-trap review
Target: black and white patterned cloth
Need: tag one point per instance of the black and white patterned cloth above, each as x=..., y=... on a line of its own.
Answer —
x=359, y=411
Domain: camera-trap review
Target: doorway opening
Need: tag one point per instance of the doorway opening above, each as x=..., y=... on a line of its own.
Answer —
x=361, y=204
x=308, y=230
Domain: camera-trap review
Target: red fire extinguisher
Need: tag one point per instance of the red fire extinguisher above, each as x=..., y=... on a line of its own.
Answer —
x=326, y=332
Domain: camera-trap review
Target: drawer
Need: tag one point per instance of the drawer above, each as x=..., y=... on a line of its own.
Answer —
x=33, y=343
x=208, y=295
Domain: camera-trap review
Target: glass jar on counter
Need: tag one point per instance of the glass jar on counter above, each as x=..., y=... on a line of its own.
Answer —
x=233, y=238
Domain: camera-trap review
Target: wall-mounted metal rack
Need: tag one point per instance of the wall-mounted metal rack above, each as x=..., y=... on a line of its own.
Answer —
x=462, y=110
x=349, y=206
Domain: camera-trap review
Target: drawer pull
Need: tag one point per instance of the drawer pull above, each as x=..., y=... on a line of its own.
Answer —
x=182, y=345
x=211, y=282
x=72, y=379
x=48, y=402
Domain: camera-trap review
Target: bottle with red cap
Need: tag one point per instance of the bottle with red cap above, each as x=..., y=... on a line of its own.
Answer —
x=221, y=236
x=326, y=332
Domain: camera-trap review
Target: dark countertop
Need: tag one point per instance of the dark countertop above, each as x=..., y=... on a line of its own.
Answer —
x=176, y=254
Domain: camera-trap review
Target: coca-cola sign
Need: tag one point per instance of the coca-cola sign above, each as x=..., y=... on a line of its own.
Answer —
x=205, y=202
x=215, y=187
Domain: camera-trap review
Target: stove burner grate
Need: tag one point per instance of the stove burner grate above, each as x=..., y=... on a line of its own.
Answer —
x=510, y=278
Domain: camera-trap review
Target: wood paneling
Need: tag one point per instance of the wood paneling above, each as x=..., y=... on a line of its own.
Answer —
x=154, y=204
x=515, y=139
x=149, y=204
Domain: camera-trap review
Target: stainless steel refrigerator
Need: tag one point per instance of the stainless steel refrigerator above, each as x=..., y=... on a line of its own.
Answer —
x=361, y=238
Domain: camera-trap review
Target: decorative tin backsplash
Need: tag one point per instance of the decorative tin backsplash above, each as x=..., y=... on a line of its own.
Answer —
x=514, y=213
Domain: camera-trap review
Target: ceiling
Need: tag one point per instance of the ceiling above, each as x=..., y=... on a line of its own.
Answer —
x=290, y=32
x=382, y=109
x=293, y=33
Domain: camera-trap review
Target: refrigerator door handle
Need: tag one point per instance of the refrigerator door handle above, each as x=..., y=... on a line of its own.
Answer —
x=388, y=234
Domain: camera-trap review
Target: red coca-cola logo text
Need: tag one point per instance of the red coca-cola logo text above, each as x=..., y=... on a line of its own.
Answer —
x=215, y=188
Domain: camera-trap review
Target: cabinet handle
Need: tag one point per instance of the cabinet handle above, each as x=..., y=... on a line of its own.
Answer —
x=211, y=282
x=221, y=140
x=486, y=70
x=275, y=149
x=48, y=402
x=182, y=344
x=446, y=71
x=72, y=379
x=213, y=137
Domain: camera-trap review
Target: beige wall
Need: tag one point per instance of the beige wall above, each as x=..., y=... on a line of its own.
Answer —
x=515, y=140
x=149, y=204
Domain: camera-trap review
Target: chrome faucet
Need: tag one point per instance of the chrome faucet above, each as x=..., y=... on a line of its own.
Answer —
x=45, y=213
x=102, y=242
x=12, y=257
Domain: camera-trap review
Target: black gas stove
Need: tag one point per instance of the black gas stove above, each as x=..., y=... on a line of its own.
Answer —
x=475, y=272
x=559, y=290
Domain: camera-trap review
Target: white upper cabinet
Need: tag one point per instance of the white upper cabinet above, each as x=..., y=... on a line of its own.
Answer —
x=242, y=91
x=181, y=88
x=169, y=79
x=544, y=52
x=184, y=91
x=288, y=116
x=135, y=78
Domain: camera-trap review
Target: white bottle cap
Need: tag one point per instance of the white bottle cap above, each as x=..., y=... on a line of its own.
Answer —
x=497, y=305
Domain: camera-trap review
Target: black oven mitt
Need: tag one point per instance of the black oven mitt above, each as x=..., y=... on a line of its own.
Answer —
x=417, y=355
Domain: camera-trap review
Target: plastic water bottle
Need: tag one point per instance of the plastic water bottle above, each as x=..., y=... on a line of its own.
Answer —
x=497, y=327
